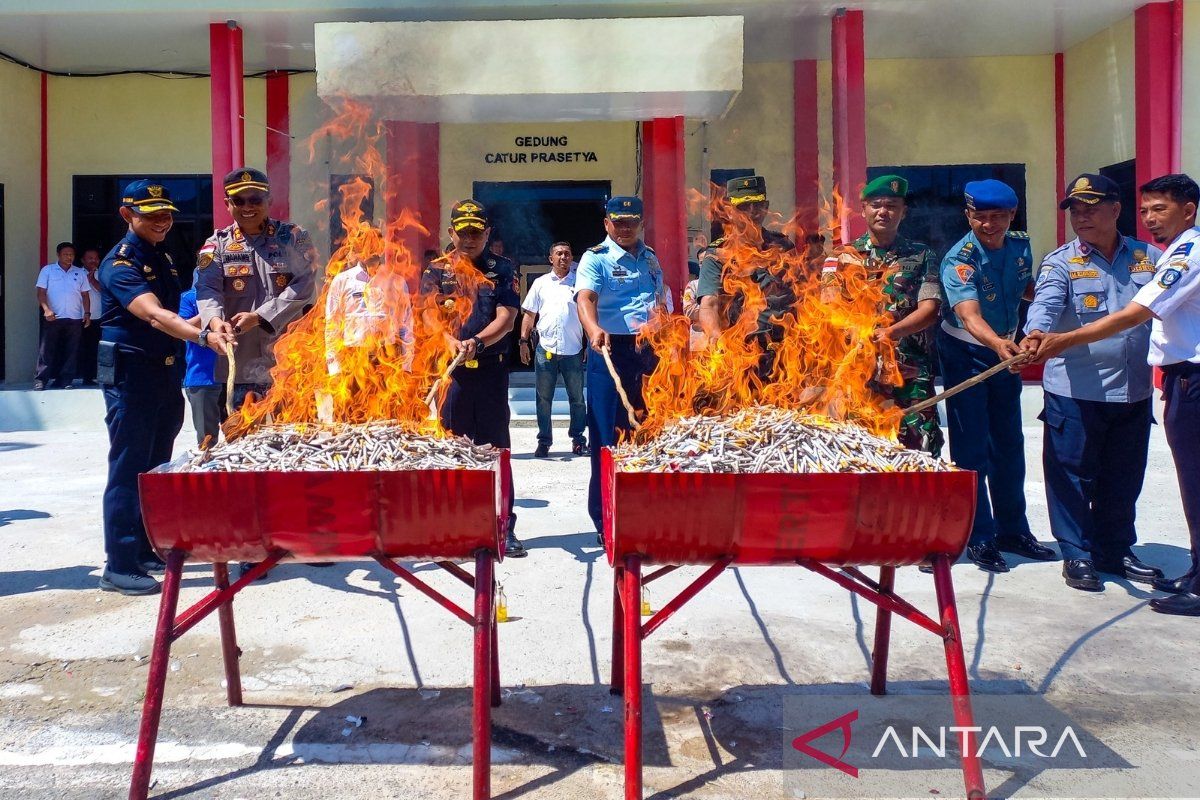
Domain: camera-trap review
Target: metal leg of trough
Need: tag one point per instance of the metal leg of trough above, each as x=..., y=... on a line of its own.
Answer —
x=617, y=679
x=156, y=681
x=956, y=667
x=631, y=621
x=495, y=652
x=482, y=686
x=883, y=634
x=230, y=652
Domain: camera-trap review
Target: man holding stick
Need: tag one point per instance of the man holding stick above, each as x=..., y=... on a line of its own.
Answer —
x=984, y=277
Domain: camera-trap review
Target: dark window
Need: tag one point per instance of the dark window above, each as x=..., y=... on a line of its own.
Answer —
x=1125, y=175
x=935, y=213
x=97, y=223
x=529, y=216
x=337, y=233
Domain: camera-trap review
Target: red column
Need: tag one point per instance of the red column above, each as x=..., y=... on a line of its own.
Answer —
x=1060, y=141
x=1158, y=65
x=228, y=109
x=665, y=208
x=279, y=145
x=849, y=117
x=413, y=184
x=805, y=144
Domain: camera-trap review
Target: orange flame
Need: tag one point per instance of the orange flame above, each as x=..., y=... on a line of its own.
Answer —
x=825, y=358
x=372, y=346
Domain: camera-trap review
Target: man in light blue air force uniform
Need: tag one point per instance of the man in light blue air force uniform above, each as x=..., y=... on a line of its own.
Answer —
x=619, y=283
x=984, y=278
x=1097, y=396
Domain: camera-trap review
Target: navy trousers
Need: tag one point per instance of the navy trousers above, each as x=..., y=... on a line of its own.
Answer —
x=144, y=415
x=1094, y=457
x=985, y=436
x=476, y=407
x=1181, y=422
x=606, y=415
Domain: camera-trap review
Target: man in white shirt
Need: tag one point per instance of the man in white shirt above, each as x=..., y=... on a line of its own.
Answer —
x=89, y=344
x=367, y=307
x=1171, y=303
x=550, y=305
x=62, y=292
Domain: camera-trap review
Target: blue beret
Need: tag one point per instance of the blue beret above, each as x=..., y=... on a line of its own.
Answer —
x=989, y=195
x=623, y=208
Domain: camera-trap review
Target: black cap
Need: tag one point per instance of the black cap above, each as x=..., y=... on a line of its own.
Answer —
x=468, y=214
x=245, y=179
x=1090, y=189
x=752, y=189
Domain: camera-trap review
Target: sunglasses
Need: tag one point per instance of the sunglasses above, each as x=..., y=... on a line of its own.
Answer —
x=240, y=200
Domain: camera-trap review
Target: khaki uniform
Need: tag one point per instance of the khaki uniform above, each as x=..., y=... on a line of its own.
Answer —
x=271, y=274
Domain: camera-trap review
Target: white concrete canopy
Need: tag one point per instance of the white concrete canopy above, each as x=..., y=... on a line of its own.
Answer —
x=561, y=70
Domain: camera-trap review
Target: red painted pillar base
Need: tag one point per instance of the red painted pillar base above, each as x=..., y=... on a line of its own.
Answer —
x=663, y=196
x=412, y=194
x=849, y=118
x=228, y=105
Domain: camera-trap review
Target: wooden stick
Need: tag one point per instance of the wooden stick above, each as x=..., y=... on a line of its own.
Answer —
x=229, y=378
x=612, y=370
x=445, y=376
x=967, y=384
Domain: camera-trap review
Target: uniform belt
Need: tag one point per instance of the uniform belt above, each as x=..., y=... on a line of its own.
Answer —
x=622, y=338
x=484, y=361
x=127, y=351
x=965, y=336
x=1181, y=368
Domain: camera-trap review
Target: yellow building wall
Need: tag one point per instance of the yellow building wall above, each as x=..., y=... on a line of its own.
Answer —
x=20, y=154
x=969, y=111
x=1190, y=151
x=1099, y=103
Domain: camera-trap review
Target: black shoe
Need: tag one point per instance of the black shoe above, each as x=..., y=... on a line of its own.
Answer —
x=543, y=451
x=152, y=565
x=39, y=386
x=1131, y=569
x=1080, y=574
x=1025, y=545
x=130, y=583
x=1178, y=585
x=89, y=382
x=987, y=557
x=66, y=386
x=513, y=547
x=580, y=449
x=1184, y=605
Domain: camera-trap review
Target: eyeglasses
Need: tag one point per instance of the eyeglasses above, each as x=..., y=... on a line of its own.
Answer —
x=248, y=200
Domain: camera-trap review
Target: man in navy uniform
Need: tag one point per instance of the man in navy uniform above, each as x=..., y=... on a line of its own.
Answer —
x=984, y=277
x=618, y=285
x=1171, y=303
x=476, y=405
x=1097, y=397
x=254, y=277
x=140, y=369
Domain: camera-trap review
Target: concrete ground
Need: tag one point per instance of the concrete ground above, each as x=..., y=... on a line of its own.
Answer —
x=727, y=679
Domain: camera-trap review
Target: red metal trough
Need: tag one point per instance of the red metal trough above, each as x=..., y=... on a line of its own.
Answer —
x=265, y=517
x=831, y=524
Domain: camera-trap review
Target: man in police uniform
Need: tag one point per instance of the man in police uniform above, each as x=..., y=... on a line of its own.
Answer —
x=909, y=271
x=140, y=371
x=253, y=278
x=476, y=405
x=1171, y=303
x=618, y=284
x=984, y=277
x=748, y=199
x=1097, y=397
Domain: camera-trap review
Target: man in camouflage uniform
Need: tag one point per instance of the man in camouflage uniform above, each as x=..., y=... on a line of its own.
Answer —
x=748, y=197
x=912, y=287
x=253, y=278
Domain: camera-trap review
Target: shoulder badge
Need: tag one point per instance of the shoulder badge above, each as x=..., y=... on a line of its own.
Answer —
x=965, y=272
x=123, y=250
x=718, y=242
x=600, y=248
x=967, y=253
x=122, y=262
x=1078, y=260
x=1018, y=235
x=1183, y=249
x=1169, y=277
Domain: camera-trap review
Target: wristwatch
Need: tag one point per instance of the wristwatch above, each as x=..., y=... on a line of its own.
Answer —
x=524, y=341
x=479, y=345
x=202, y=337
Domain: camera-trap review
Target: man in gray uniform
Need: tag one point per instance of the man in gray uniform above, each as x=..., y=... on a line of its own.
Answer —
x=253, y=278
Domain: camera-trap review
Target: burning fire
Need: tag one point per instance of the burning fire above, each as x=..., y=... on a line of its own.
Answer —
x=358, y=357
x=825, y=360
x=367, y=350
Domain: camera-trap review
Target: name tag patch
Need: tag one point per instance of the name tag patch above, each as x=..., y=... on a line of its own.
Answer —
x=1142, y=266
x=1084, y=273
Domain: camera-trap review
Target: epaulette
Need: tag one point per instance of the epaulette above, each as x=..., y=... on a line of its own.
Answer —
x=443, y=259
x=968, y=253
x=123, y=250
x=600, y=248
x=1018, y=235
x=718, y=242
x=122, y=262
x=649, y=249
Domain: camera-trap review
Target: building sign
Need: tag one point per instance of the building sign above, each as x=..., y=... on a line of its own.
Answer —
x=540, y=150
